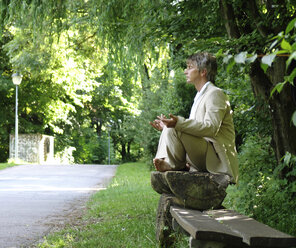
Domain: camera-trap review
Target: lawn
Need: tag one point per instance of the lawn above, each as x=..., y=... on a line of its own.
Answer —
x=6, y=165
x=123, y=215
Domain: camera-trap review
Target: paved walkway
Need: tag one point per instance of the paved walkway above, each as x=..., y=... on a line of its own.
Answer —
x=33, y=198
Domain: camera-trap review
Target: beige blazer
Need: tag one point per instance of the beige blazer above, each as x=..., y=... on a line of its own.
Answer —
x=213, y=121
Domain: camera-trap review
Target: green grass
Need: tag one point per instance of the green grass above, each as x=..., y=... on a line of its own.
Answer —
x=6, y=165
x=123, y=215
x=12, y=162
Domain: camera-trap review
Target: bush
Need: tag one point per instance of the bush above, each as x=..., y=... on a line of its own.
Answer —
x=261, y=193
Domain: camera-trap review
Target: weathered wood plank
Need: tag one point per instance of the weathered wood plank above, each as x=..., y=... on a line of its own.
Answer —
x=253, y=232
x=202, y=227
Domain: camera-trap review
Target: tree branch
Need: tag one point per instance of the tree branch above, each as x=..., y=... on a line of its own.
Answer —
x=146, y=71
x=255, y=16
x=229, y=19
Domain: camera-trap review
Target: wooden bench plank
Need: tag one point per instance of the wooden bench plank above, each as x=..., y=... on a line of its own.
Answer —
x=202, y=227
x=253, y=232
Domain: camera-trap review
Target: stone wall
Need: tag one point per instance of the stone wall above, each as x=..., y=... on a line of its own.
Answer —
x=33, y=148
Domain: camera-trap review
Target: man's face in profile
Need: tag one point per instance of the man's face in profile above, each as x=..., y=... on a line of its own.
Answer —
x=192, y=73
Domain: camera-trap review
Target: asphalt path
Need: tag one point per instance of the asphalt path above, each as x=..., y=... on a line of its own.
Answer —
x=34, y=198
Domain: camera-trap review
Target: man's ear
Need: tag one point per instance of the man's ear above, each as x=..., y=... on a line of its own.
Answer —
x=204, y=73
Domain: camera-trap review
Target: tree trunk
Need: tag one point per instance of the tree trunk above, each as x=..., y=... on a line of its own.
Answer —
x=256, y=18
x=129, y=149
x=228, y=16
x=99, y=127
x=123, y=151
x=281, y=105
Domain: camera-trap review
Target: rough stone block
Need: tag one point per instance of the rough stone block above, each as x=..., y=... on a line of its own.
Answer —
x=196, y=190
x=164, y=219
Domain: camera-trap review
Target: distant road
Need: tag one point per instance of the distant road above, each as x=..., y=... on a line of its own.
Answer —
x=35, y=198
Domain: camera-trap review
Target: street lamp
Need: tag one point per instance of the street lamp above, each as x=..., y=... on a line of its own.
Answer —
x=16, y=79
x=109, y=129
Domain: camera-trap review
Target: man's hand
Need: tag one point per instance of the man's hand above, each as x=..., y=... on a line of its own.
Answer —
x=157, y=124
x=170, y=123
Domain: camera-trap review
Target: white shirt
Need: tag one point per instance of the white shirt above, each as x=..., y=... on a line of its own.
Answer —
x=197, y=100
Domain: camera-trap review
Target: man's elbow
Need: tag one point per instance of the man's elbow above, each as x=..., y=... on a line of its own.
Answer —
x=212, y=131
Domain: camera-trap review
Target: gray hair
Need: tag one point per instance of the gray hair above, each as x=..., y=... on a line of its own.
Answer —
x=206, y=61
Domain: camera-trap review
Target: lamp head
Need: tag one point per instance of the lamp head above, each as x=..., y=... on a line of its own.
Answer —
x=16, y=78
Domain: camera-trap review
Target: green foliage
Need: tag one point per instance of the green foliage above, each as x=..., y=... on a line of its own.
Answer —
x=67, y=47
x=265, y=191
x=93, y=65
x=261, y=193
x=7, y=105
x=87, y=145
x=6, y=165
x=63, y=92
x=6, y=118
x=250, y=115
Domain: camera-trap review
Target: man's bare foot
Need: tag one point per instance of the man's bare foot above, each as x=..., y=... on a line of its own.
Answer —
x=161, y=165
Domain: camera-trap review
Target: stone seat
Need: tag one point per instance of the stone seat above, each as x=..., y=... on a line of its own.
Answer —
x=196, y=190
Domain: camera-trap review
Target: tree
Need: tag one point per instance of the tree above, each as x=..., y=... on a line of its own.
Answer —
x=72, y=90
x=262, y=22
x=133, y=35
x=97, y=63
x=188, y=26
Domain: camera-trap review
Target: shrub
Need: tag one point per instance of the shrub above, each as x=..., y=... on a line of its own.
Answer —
x=261, y=193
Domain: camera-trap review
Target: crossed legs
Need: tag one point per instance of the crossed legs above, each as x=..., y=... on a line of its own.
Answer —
x=177, y=149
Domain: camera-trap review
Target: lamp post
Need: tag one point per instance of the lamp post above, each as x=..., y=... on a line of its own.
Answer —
x=16, y=79
x=109, y=129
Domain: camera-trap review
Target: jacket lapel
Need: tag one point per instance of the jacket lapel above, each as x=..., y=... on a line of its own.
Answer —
x=208, y=89
x=204, y=95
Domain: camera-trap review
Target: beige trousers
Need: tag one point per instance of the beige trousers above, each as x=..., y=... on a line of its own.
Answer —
x=178, y=148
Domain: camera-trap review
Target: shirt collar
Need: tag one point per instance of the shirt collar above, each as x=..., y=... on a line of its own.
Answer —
x=204, y=87
x=199, y=93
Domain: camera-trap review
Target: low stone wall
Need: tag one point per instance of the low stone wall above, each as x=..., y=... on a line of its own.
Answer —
x=33, y=148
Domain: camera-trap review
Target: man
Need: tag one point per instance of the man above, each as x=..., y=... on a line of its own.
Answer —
x=206, y=140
